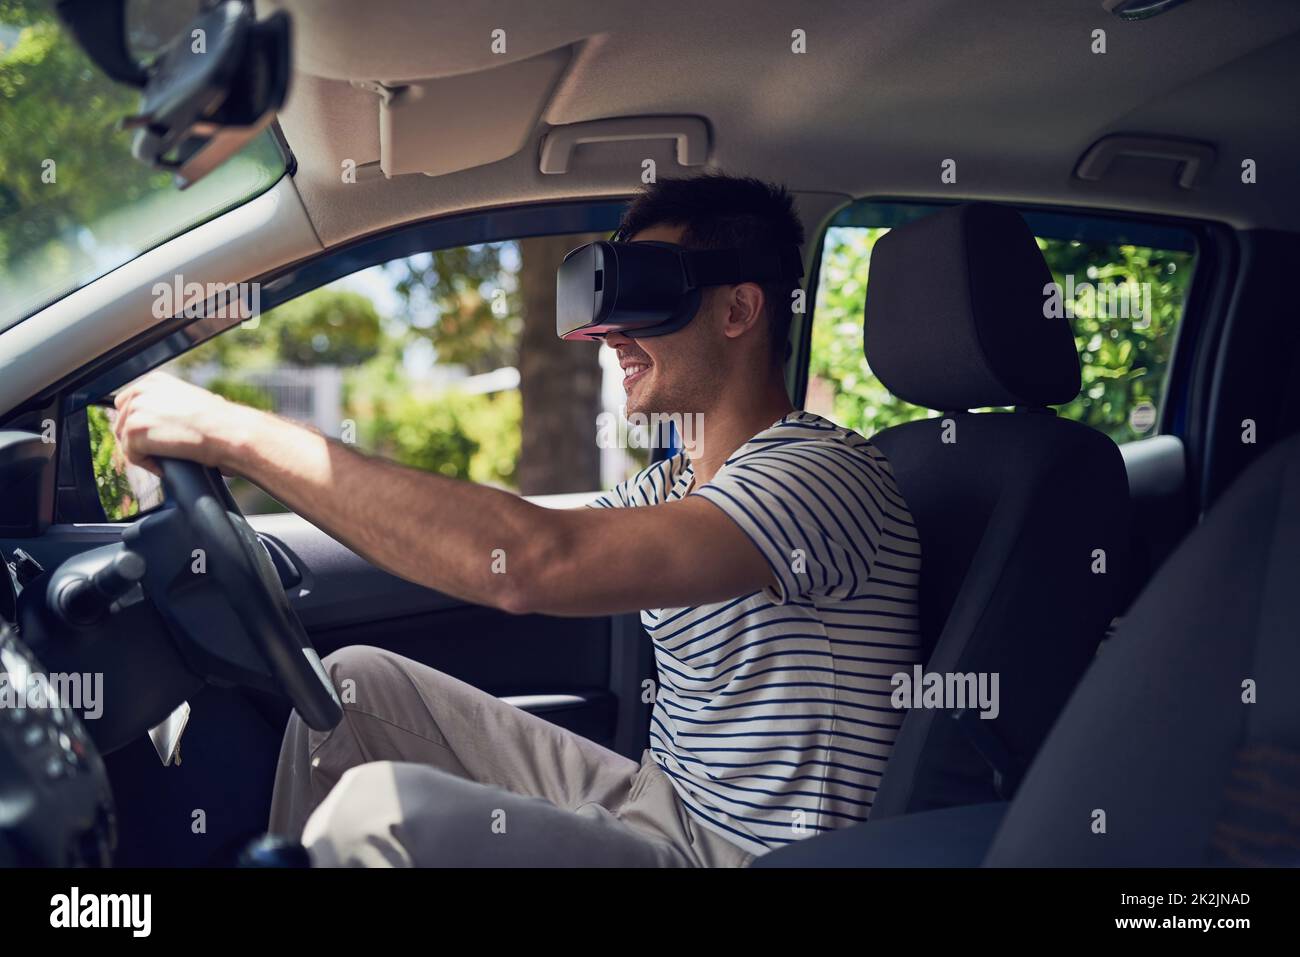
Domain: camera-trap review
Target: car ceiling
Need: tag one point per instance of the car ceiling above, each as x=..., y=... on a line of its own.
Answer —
x=885, y=92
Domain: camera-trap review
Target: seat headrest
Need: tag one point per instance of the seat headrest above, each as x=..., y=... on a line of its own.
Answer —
x=955, y=315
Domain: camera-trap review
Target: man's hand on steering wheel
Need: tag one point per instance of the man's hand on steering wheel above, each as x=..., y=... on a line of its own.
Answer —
x=162, y=416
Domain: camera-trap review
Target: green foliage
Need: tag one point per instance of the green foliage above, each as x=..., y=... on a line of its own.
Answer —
x=325, y=327
x=242, y=392
x=54, y=106
x=1124, y=362
x=115, y=493
x=495, y=423
x=331, y=327
x=861, y=402
x=461, y=436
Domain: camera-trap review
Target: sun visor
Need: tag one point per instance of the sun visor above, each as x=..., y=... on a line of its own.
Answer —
x=438, y=126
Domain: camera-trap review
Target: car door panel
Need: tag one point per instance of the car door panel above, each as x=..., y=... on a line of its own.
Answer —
x=343, y=600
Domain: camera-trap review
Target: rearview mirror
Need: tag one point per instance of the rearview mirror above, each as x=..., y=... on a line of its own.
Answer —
x=208, y=86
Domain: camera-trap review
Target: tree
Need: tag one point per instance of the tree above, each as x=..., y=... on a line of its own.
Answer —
x=559, y=382
x=463, y=301
x=327, y=327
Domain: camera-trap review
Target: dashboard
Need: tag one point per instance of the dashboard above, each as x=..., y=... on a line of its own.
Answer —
x=56, y=808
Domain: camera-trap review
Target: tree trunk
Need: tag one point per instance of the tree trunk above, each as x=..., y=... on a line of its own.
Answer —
x=559, y=382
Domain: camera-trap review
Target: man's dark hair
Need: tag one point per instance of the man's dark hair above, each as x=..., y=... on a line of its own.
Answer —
x=722, y=212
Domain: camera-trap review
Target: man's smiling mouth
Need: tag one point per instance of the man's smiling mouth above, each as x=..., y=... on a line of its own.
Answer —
x=633, y=370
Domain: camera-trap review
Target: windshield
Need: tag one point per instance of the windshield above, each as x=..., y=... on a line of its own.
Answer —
x=74, y=203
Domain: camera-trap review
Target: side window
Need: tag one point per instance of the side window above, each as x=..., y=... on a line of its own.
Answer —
x=445, y=361
x=123, y=489
x=1122, y=287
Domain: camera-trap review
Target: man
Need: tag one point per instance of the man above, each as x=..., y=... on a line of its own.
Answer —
x=775, y=559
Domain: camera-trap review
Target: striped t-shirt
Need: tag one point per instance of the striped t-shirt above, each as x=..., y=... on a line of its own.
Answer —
x=772, y=714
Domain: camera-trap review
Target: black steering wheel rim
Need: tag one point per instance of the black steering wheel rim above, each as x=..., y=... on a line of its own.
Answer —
x=240, y=565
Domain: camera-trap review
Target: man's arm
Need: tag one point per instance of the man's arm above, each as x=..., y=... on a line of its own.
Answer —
x=476, y=543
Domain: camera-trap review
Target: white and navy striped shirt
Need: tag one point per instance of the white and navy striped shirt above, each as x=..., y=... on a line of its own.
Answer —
x=772, y=715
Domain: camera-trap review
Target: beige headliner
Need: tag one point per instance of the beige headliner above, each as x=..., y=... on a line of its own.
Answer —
x=885, y=93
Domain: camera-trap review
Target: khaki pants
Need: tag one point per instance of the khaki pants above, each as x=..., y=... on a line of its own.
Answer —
x=425, y=770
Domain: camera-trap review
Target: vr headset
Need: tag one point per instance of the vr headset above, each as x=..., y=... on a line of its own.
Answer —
x=652, y=289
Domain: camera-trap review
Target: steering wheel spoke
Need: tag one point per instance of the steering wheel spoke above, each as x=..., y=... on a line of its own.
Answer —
x=208, y=573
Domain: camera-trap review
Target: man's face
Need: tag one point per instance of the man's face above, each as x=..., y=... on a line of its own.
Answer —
x=681, y=372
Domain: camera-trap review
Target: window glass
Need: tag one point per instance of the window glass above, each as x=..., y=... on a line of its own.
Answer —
x=1122, y=287
x=74, y=203
x=445, y=361
x=123, y=489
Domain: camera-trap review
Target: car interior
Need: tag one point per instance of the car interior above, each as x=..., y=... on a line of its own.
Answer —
x=1127, y=567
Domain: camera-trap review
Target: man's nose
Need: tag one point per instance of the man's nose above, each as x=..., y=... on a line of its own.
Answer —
x=616, y=339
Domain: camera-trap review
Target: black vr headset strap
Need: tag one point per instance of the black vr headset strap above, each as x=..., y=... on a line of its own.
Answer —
x=724, y=267
x=720, y=267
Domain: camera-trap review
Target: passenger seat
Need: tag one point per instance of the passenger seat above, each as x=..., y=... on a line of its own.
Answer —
x=1023, y=516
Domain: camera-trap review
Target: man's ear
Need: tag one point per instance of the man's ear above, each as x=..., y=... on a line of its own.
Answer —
x=744, y=309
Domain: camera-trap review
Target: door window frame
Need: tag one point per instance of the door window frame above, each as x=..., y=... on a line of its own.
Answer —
x=77, y=501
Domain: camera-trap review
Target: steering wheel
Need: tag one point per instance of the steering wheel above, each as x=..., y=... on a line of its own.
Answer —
x=242, y=568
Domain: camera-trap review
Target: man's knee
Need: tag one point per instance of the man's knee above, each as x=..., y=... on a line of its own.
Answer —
x=372, y=679
x=394, y=709
x=398, y=814
x=350, y=669
x=355, y=667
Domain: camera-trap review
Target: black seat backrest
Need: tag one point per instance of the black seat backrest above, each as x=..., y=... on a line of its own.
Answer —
x=1023, y=516
x=1181, y=747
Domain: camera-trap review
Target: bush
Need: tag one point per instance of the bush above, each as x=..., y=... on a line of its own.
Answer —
x=115, y=493
x=461, y=436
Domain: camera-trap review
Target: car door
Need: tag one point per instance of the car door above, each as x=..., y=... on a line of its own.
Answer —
x=433, y=345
